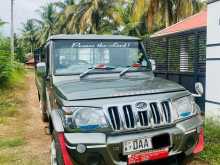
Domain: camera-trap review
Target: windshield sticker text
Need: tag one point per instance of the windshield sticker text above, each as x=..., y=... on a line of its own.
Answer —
x=104, y=45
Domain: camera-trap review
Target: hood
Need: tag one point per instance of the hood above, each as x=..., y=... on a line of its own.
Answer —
x=98, y=89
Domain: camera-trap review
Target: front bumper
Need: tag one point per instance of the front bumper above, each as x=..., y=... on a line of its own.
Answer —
x=107, y=149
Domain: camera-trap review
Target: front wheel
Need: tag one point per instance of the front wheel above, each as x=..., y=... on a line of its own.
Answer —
x=53, y=153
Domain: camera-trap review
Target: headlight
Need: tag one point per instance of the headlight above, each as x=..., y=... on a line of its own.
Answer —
x=184, y=106
x=84, y=118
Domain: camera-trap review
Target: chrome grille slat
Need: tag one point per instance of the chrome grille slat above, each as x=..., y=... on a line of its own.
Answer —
x=155, y=112
x=128, y=116
x=162, y=116
x=143, y=116
x=113, y=111
x=129, y=120
x=167, y=112
x=113, y=114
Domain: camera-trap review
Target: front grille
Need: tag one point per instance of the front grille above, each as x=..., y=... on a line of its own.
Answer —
x=129, y=116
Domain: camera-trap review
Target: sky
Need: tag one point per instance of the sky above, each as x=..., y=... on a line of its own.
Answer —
x=23, y=10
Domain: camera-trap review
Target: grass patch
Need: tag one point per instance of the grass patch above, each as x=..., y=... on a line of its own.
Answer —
x=211, y=153
x=11, y=142
x=8, y=159
x=3, y=120
x=8, y=105
x=11, y=100
x=8, y=112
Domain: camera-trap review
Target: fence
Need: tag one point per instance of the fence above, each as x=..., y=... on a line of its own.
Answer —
x=180, y=57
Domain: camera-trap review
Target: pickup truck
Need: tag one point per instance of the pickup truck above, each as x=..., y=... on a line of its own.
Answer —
x=104, y=106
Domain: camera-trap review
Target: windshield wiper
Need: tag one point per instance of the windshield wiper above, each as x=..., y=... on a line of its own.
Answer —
x=136, y=66
x=100, y=67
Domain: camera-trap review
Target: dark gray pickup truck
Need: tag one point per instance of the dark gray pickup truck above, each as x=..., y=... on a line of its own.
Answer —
x=105, y=107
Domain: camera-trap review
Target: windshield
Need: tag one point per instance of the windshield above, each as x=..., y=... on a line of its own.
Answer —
x=75, y=57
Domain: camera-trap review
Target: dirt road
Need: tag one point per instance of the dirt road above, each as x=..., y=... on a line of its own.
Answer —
x=37, y=142
x=26, y=128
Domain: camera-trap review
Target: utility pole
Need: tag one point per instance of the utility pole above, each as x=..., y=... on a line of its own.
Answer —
x=12, y=31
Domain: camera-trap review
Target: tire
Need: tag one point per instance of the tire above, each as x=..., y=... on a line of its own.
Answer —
x=53, y=153
x=44, y=116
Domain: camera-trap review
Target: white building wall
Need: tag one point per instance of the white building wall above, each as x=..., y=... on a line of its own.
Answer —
x=213, y=60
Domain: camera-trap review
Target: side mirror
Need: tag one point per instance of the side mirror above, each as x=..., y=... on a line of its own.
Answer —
x=41, y=68
x=153, y=64
x=199, y=89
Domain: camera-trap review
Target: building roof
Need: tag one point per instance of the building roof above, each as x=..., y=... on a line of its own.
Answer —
x=92, y=37
x=196, y=21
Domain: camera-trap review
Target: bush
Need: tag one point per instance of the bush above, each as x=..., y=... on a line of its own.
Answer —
x=10, y=72
x=4, y=44
x=6, y=68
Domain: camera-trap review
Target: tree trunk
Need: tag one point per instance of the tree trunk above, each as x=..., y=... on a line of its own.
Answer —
x=167, y=22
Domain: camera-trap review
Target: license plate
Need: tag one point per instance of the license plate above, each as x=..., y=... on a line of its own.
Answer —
x=145, y=156
x=135, y=145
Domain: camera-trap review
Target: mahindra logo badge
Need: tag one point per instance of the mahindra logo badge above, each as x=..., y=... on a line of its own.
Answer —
x=141, y=105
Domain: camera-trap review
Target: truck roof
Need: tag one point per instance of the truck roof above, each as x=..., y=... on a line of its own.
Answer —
x=91, y=37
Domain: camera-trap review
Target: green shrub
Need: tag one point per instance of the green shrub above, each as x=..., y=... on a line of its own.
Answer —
x=10, y=73
x=6, y=67
x=4, y=44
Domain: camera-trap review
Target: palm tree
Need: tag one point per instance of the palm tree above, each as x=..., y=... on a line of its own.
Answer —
x=163, y=13
x=89, y=16
x=187, y=8
x=29, y=32
x=94, y=14
x=198, y=5
x=139, y=16
x=47, y=23
x=131, y=18
x=65, y=16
